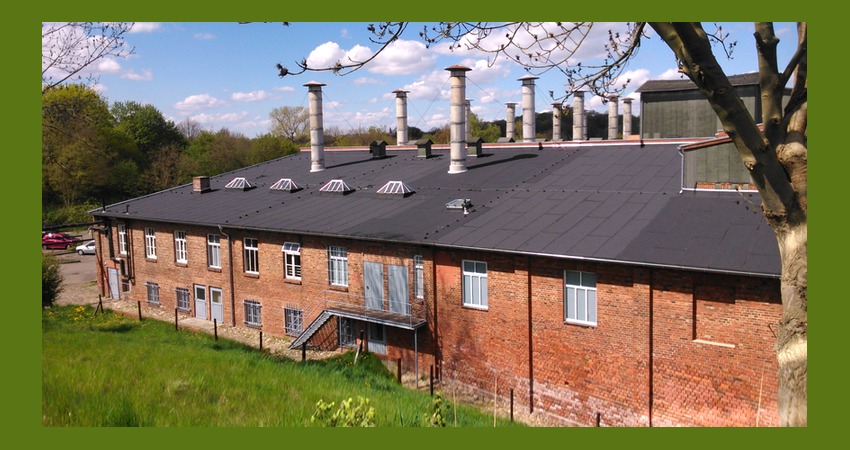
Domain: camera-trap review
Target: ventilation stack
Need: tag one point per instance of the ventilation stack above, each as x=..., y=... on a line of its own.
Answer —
x=529, y=130
x=627, y=117
x=613, y=117
x=578, y=115
x=510, y=122
x=458, y=122
x=401, y=116
x=556, y=121
x=317, y=135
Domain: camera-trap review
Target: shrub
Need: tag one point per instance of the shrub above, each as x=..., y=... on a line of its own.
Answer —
x=51, y=280
x=348, y=414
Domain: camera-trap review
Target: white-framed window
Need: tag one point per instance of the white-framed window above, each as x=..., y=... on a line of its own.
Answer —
x=180, y=254
x=475, y=284
x=182, y=299
x=153, y=292
x=251, y=252
x=150, y=243
x=338, y=266
x=293, y=320
x=292, y=260
x=122, y=239
x=252, y=313
x=418, y=277
x=579, y=297
x=214, y=251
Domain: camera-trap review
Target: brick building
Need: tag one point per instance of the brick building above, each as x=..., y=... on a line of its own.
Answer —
x=582, y=276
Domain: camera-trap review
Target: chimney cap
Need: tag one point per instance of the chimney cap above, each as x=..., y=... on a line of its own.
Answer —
x=314, y=84
x=399, y=92
x=457, y=67
x=528, y=77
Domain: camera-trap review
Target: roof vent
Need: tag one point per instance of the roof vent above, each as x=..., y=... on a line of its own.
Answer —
x=459, y=203
x=336, y=187
x=285, y=184
x=239, y=183
x=201, y=184
x=396, y=188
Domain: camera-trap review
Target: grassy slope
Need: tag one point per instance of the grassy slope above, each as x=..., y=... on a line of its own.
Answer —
x=110, y=370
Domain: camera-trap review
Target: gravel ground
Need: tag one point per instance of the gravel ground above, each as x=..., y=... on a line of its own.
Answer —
x=86, y=293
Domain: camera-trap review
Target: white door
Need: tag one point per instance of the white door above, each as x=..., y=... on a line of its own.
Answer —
x=114, y=284
x=397, y=281
x=200, y=301
x=216, y=305
x=377, y=339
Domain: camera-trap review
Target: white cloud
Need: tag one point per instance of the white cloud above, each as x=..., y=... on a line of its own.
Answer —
x=213, y=119
x=362, y=81
x=198, y=102
x=403, y=57
x=145, y=27
x=146, y=75
x=254, y=96
x=107, y=65
x=204, y=36
x=671, y=74
x=285, y=89
x=325, y=55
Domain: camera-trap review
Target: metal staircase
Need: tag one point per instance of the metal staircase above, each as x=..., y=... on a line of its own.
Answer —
x=312, y=329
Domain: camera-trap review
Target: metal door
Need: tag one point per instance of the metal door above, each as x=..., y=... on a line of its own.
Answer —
x=200, y=301
x=114, y=284
x=397, y=281
x=373, y=285
x=216, y=305
x=377, y=339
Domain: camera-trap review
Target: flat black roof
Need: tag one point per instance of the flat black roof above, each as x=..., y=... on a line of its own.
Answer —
x=610, y=202
x=685, y=84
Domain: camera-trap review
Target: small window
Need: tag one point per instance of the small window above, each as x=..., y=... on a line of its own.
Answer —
x=150, y=243
x=153, y=293
x=180, y=254
x=418, y=277
x=475, y=284
x=292, y=260
x=252, y=256
x=293, y=321
x=122, y=239
x=580, y=297
x=338, y=266
x=214, y=251
x=182, y=299
x=252, y=313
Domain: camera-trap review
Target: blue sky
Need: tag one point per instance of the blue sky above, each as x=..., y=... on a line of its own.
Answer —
x=223, y=75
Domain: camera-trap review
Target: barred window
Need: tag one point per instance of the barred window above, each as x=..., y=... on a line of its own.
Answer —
x=182, y=299
x=293, y=321
x=252, y=313
x=153, y=293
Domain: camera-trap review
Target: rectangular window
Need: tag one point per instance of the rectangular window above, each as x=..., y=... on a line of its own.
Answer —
x=418, y=277
x=180, y=255
x=338, y=266
x=293, y=323
x=252, y=313
x=475, y=284
x=122, y=239
x=251, y=253
x=292, y=260
x=153, y=293
x=580, y=297
x=214, y=251
x=150, y=243
x=182, y=299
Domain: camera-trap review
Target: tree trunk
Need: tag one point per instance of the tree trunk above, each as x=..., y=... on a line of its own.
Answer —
x=791, y=336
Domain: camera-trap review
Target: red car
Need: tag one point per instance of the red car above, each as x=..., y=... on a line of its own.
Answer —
x=56, y=241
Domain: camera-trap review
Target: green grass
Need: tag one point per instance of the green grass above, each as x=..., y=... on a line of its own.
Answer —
x=112, y=370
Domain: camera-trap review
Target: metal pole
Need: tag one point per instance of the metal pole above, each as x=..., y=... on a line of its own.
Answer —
x=398, y=370
x=261, y=341
x=431, y=380
x=304, y=352
x=139, y=305
x=175, y=320
x=512, y=405
x=215, y=328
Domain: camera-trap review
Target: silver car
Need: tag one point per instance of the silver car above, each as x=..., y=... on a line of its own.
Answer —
x=86, y=248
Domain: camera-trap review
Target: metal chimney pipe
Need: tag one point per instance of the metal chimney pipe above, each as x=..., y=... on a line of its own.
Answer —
x=458, y=123
x=317, y=136
x=401, y=116
x=529, y=130
x=613, y=119
x=467, y=111
x=627, y=117
x=578, y=116
x=510, y=122
x=556, y=121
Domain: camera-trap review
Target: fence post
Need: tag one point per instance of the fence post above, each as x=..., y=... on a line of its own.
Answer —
x=215, y=328
x=512, y=405
x=304, y=352
x=598, y=419
x=139, y=305
x=398, y=370
x=175, y=320
x=431, y=380
x=261, y=341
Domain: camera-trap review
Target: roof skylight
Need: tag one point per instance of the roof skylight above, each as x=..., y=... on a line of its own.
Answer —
x=239, y=183
x=336, y=186
x=396, y=188
x=285, y=184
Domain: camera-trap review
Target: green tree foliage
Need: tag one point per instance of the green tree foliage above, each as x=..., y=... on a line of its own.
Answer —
x=51, y=280
x=78, y=144
x=290, y=122
x=269, y=146
x=488, y=131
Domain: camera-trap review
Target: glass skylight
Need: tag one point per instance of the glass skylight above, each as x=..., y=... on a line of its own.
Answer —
x=336, y=186
x=239, y=183
x=285, y=184
x=396, y=187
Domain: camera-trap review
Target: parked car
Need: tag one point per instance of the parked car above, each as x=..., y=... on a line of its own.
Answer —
x=86, y=248
x=56, y=241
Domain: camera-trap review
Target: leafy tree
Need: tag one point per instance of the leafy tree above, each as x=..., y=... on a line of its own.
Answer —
x=290, y=122
x=267, y=147
x=189, y=128
x=146, y=126
x=78, y=143
x=485, y=130
x=349, y=414
x=775, y=152
x=68, y=48
x=51, y=280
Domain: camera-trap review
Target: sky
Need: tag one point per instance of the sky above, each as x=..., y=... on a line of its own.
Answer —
x=223, y=74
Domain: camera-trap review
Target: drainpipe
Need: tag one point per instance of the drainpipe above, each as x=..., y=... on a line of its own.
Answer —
x=530, y=345
x=230, y=270
x=651, y=345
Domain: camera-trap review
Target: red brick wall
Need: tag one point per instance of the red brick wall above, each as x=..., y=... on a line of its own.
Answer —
x=669, y=347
